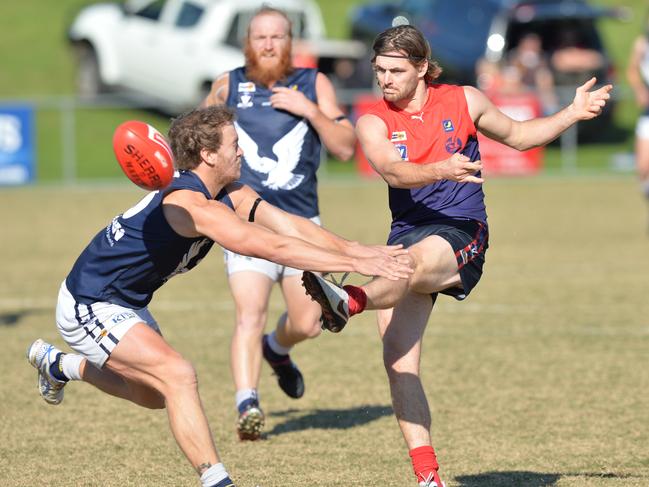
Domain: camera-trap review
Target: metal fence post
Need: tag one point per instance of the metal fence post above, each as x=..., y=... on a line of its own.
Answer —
x=68, y=139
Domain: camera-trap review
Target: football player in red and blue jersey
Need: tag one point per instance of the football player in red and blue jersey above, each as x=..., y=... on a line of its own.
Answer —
x=421, y=138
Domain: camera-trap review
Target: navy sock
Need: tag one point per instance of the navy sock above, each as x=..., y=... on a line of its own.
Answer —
x=247, y=403
x=226, y=482
x=271, y=355
x=55, y=369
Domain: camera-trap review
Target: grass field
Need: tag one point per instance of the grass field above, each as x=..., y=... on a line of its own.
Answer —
x=539, y=379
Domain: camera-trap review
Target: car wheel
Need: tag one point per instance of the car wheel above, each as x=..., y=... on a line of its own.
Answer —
x=89, y=82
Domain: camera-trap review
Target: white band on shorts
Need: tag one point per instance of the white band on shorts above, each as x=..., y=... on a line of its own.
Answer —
x=94, y=330
x=642, y=127
x=237, y=263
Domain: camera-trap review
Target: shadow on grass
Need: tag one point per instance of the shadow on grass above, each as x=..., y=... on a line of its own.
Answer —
x=13, y=318
x=327, y=418
x=526, y=479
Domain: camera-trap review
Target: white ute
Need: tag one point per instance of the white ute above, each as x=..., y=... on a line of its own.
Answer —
x=171, y=50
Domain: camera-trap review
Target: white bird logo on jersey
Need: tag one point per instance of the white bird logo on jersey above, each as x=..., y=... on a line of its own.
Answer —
x=287, y=150
x=183, y=265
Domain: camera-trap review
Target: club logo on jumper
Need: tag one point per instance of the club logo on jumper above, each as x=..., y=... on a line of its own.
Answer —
x=114, y=232
x=280, y=168
x=398, y=136
x=403, y=151
x=453, y=144
x=190, y=259
x=246, y=101
x=419, y=117
x=448, y=125
x=248, y=87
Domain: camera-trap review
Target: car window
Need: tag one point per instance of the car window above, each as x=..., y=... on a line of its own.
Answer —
x=151, y=10
x=556, y=33
x=446, y=23
x=189, y=15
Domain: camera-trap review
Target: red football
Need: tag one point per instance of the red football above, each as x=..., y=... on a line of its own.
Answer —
x=143, y=154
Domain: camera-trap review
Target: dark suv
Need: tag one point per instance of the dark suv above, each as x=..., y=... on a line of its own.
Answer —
x=461, y=32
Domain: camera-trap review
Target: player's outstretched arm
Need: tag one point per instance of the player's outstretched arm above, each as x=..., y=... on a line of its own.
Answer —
x=540, y=131
x=284, y=223
x=386, y=160
x=190, y=214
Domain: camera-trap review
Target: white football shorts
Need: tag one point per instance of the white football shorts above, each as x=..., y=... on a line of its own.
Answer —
x=642, y=127
x=94, y=330
x=237, y=263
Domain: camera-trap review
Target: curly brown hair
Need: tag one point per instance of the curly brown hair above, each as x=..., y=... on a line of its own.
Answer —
x=197, y=130
x=410, y=41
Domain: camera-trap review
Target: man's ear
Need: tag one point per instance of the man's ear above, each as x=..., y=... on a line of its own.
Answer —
x=423, y=69
x=208, y=157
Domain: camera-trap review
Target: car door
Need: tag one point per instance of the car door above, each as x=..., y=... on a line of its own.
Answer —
x=140, y=44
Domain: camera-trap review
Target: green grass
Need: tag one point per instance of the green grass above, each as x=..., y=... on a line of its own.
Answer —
x=539, y=379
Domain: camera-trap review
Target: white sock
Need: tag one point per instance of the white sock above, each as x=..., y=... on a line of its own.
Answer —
x=213, y=475
x=276, y=347
x=71, y=365
x=244, y=394
x=644, y=185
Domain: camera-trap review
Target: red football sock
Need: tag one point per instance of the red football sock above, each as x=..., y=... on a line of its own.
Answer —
x=357, y=299
x=424, y=463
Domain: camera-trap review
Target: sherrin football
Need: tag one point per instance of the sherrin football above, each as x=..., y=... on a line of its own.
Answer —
x=143, y=154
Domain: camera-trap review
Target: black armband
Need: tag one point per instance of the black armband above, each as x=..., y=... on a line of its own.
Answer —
x=251, y=215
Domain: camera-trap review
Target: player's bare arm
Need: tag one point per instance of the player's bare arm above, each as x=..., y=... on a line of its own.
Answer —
x=337, y=136
x=279, y=221
x=219, y=92
x=190, y=214
x=540, y=131
x=384, y=157
x=638, y=86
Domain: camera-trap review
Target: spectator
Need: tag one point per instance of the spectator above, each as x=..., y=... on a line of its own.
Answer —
x=638, y=76
x=530, y=60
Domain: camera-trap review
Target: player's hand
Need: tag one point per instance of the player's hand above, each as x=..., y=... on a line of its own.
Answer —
x=355, y=249
x=589, y=104
x=459, y=168
x=393, y=268
x=292, y=101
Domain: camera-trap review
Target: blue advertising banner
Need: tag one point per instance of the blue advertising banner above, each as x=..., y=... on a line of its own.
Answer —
x=17, y=152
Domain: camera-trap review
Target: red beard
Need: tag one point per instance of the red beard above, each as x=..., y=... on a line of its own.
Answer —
x=267, y=75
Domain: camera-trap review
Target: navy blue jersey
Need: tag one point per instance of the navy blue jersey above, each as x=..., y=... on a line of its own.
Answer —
x=281, y=152
x=138, y=251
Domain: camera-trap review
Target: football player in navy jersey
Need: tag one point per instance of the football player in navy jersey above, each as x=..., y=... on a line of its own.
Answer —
x=638, y=77
x=284, y=115
x=102, y=304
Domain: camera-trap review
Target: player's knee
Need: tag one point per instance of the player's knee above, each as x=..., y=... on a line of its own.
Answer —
x=180, y=373
x=310, y=328
x=394, y=353
x=251, y=322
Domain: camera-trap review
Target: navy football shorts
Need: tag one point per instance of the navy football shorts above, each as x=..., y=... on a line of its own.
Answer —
x=469, y=240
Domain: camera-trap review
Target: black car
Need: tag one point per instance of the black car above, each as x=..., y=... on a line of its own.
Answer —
x=461, y=32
